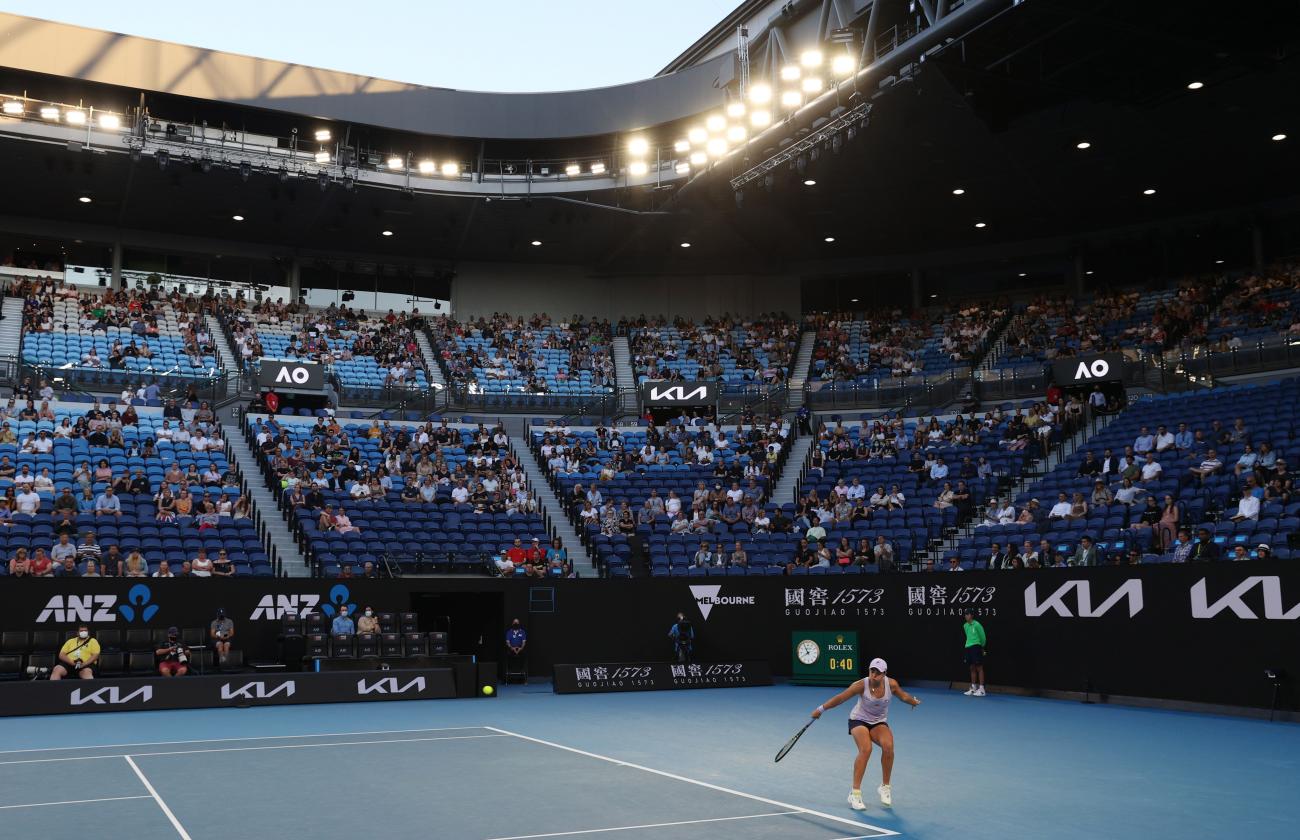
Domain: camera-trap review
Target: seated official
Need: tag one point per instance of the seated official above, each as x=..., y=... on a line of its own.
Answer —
x=78, y=656
x=221, y=630
x=173, y=656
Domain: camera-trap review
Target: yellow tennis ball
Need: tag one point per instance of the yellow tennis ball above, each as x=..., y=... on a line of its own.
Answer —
x=488, y=691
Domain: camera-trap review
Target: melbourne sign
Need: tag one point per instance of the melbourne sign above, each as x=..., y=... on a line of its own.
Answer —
x=679, y=393
x=1085, y=370
x=286, y=375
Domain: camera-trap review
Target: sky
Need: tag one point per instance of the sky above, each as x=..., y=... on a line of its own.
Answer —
x=498, y=45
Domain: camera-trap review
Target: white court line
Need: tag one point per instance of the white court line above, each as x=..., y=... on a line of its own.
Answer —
x=72, y=802
x=882, y=832
x=238, y=740
x=647, y=825
x=176, y=824
x=250, y=749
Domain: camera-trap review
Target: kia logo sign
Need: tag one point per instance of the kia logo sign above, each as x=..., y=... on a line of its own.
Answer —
x=256, y=690
x=1085, y=370
x=389, y=685
x=110, y=696
x=679, y=393
x=288, y=375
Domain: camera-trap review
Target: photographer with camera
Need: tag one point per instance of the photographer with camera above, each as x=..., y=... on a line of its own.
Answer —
x=683, y=637
x=173, y=656
x=77, y=656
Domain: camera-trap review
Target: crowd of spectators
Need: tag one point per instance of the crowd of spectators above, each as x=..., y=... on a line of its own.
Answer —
x=534, y=354
x=1257, y=308
x=725, y=349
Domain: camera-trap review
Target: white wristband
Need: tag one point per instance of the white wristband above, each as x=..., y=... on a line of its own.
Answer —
x=821, y=709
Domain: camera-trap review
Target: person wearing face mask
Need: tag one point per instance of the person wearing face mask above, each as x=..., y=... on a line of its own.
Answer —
x=77, y=656
x=173, y=656
x=220, y=632
x=343, y=625
x=369, y=622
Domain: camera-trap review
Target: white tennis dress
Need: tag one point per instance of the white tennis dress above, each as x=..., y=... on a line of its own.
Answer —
x=870, y=709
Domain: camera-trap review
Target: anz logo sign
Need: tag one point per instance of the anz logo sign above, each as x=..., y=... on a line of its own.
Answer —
x=99, y=609
x=1074, y=599
x=681, y=393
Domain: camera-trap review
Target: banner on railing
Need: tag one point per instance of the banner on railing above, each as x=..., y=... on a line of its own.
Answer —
x=1086, y=370
x=660, y=394
x=289, y=375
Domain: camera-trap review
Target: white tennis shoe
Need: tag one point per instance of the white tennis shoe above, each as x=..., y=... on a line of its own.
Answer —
x=886, y=795
x=970, y=692
x=979, y=692
x=855, y=801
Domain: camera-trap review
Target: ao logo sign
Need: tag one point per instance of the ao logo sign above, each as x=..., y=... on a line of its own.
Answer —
x=257, y=690
x=678, y=393
x=111, y=696
x=293, y=376
x=1099, y=369
x=388, y=685
x=707, y=597
x=1058, y=600
x=1271, y=585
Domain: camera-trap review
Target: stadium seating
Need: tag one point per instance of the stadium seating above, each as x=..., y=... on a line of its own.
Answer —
x=735, y=353
x=853, y=348
x=533, y=355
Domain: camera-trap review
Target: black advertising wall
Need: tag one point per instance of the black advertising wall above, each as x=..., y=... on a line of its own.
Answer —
x=1199, y=633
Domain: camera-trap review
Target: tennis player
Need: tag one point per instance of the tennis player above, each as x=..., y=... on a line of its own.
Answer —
x=869, y=724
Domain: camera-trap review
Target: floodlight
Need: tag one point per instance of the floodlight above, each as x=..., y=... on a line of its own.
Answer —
x=683, y=168
x=812, y=84
x=716, y=123
x=699, y=158
x=697, y=136
x=322, y=135
x=598, y=168
x=638, y=168
x=49, y=112
x=682, y=146
x=428, y=167
x=790, y=73
x=736, y=134
x=736, y=110
x=75, y=117
x=396, y=162
x=638, y=146
x=843, y=65
x=13, y=107
x=760, y=118
x=110, y=122
x=450, y=169
x=717, y=147
x=322, y=157
x=811, y=58
x=760, y=94
x=572, y=169
x=791, y=98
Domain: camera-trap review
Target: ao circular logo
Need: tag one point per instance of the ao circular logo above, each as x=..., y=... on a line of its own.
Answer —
x=1096, y=369
x=296, y=375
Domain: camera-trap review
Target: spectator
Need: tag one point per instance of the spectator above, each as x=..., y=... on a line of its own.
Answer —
x=164, y=570
x=1086, y=554
x=79, y=655
x=1204, y=550
x=368, y=623
x=1248, y=507
x=342, y=624
x=220, y=631
x=201, y=565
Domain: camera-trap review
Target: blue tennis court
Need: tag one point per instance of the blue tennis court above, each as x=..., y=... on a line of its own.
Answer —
x=689, y=764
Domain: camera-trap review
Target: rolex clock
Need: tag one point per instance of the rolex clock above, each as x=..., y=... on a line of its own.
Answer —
x=824, y=657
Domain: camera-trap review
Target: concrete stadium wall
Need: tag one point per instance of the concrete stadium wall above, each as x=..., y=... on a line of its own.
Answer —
x=481, y=289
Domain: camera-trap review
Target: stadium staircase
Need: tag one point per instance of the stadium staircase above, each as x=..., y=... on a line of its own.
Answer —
x=292, y=561
x=431, y=366
x=579, y=558
x=787, y=486
x=799, y=373
x=11, y=328
x=624, y=376
x=225, y=352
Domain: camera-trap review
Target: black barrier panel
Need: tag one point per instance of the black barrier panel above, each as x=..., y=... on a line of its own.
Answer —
x=123, y=695
x=659, y=676
x=660, y=394
x=1203, y=632
x=288, y=375
x=1085, y=370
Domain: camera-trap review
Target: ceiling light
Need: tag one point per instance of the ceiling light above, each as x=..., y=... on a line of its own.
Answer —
x=682, y=146
x=49, y=112
x=829, y=239
x=811, y=58
x=638, y=168
x=958, y=191
x=686, y=244
x=760, y=94
x=683, y=168
x=1023, y=274
x=981, y=225
x=1083, y=144
x=699, y=158
x=717, y=147
x=1149, y=191
x=791, y=99
x=736, y=134
x=1218, y=262
x=853, y=300
x=843, y=65
x=934, y=295
x=736, y=110
x=1279, y=137
x=75, y=117
x=237, y=217
x=536, y=243
x=85, y=199
x=598, y=168
x=110, y=122
x=450, y=169
x=428, y=167
x=1088, y=272
x=322, y=135
x=715, y=123
x=638, y=146
x=1195, y=85
x=395, y=162
x=812, y=84
x=386, y=233
x=810, y=183
x=322, y=157
x=13, y=107
x=760, y=118
x=572, y=169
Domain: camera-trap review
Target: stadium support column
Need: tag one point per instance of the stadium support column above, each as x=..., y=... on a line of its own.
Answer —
x=916, y=287
x=295, y=280
x=117, y=266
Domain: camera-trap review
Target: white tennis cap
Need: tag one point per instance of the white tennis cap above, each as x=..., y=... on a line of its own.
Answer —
x=879, y=664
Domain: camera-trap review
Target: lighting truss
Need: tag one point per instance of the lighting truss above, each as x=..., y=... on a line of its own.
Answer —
x=858, y=115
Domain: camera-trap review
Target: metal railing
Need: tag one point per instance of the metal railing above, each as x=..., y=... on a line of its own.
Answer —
x=922, y=393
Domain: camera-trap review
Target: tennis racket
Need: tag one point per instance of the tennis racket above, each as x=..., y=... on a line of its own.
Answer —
x=789, y=745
